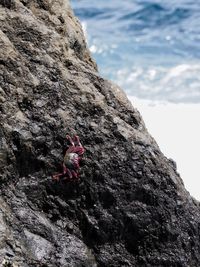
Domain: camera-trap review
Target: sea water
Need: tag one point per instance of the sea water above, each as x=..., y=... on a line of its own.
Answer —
x=151, y=49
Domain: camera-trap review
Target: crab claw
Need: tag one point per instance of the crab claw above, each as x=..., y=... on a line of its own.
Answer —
x=77, y=140
x=76, y=137
x=68, y=137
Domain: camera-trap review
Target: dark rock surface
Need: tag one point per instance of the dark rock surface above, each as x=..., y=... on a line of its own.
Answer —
x=130, y=207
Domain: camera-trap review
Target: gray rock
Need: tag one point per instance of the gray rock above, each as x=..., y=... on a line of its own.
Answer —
x=130, y=207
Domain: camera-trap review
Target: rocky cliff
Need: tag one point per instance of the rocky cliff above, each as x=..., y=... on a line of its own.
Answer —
x=130, y=207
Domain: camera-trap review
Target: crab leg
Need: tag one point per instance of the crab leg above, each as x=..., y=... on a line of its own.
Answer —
x=70, y=176
x=77, y=141
x=70, y=140
x=66, y=173
x=75, y=174
x=57, y=176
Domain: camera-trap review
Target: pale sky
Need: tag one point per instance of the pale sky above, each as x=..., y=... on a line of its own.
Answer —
x=176, y=129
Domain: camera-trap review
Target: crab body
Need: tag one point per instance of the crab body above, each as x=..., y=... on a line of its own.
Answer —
x=72, y=158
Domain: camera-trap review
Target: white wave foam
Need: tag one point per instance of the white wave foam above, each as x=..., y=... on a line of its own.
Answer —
x=180, y=83
x=176, y=128
x=84, y=27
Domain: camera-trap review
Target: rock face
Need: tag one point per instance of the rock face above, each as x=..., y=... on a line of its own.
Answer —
x=130, y=207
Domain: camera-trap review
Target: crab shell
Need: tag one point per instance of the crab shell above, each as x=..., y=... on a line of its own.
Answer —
x=70, y=160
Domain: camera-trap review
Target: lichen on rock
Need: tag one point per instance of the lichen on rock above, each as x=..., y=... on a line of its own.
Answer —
x=130, y=207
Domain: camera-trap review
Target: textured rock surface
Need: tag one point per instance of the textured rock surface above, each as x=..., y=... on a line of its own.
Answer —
x=130, y=207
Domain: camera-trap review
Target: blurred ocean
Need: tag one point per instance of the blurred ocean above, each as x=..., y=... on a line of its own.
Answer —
x=152, y=50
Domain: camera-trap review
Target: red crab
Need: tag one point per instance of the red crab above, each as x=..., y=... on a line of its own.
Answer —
x=71, y=161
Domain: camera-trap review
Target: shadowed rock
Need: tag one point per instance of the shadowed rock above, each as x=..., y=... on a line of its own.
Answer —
x=130, y=207
x=6, y=3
